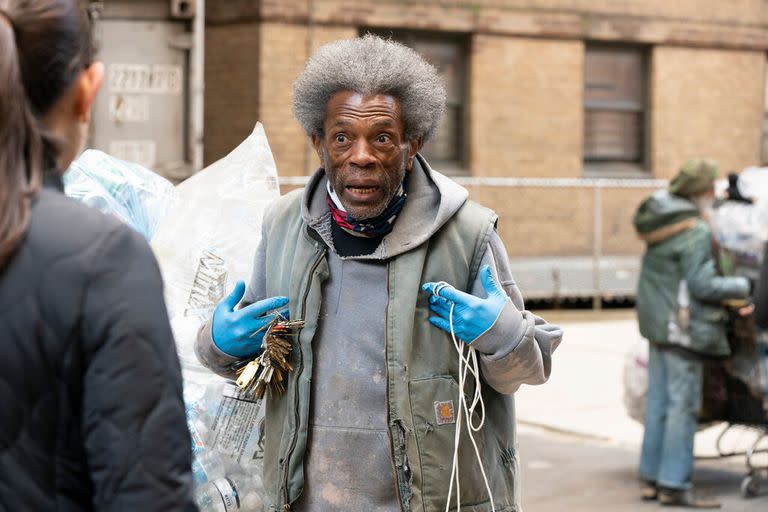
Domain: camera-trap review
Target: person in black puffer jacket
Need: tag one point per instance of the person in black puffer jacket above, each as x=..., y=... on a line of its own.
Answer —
x=92, y=416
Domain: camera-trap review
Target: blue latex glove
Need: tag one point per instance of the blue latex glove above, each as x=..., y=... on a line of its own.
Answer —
x=472, y=316
x=240, y=333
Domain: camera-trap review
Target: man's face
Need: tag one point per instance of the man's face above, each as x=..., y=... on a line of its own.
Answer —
x=364, y=151
x=704, y=202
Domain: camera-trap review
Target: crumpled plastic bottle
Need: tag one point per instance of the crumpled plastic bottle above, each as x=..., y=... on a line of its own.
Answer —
x=236, y=492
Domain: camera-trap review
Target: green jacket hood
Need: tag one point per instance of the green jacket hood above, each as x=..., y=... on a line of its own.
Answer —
x=664, y=215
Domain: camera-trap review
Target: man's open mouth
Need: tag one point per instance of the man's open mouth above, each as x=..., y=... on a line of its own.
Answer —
x=362, y=190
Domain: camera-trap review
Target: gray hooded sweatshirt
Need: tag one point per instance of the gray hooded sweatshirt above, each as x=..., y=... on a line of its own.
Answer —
x=348, y=464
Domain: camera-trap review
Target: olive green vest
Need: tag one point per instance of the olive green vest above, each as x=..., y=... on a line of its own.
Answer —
x=421, y=362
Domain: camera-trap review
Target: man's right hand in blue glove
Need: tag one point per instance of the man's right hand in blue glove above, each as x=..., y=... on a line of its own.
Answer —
x=240, y=333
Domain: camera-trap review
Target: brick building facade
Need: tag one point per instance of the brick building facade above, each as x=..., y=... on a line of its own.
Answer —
x=575, y=89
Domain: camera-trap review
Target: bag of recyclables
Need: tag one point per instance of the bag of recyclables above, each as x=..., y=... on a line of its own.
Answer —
x=742, y=228
x=204, y=242
x=635, y=378
x=135, y=195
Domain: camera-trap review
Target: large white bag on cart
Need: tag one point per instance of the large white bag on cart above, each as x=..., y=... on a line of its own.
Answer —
x=742, y=228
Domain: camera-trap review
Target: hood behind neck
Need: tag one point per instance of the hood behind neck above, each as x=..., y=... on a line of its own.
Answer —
x=664, y=215
x=432, y=200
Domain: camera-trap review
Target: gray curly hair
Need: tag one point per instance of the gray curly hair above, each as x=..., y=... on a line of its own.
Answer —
x=370, y=65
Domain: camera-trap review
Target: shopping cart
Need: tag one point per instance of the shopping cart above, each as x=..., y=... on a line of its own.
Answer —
x=735, y=393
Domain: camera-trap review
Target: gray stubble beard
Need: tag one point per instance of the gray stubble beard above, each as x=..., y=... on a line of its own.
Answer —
x=327, y=165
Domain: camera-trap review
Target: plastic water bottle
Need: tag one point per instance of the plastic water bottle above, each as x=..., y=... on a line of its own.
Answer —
x=237, y=492
x=207, y=466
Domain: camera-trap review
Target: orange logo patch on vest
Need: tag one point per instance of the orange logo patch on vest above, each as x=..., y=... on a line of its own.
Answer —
x=444, y=413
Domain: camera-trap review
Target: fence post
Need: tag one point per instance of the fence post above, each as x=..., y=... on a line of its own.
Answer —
x=597, y=246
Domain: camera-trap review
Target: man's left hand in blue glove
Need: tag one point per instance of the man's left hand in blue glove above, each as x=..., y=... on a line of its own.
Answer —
x=472, y=316
x=240, y=332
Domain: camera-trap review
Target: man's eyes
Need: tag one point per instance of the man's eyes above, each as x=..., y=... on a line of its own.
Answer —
x=383, y=138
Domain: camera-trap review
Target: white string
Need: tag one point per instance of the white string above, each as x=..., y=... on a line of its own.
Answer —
x=467, y=363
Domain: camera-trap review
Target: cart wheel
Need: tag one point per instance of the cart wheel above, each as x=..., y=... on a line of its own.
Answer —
x=750, y=487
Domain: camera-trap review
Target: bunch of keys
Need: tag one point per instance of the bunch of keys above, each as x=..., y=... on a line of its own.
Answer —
x=270, y=368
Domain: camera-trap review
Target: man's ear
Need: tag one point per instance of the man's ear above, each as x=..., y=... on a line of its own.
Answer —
x=317, y=143
x=414, y=146
x=88, y=84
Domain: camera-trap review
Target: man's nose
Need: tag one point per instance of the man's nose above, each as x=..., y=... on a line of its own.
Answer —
x=362, y=155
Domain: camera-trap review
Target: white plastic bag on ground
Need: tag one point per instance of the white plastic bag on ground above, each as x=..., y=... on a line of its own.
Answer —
x=636, y=380
x=205, y=244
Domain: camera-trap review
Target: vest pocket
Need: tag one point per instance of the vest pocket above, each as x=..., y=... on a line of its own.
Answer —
x=435, y=409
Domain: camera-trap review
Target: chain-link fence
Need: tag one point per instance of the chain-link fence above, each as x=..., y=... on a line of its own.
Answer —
x=566, y=238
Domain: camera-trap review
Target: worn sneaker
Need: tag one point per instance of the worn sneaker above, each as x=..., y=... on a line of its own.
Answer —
x=684, y=498
x=648, y=490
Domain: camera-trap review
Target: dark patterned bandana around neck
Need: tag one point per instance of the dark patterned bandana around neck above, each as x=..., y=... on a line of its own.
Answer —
x=370, y=228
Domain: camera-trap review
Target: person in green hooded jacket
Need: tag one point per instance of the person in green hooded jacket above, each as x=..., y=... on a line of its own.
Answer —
x=679, y=309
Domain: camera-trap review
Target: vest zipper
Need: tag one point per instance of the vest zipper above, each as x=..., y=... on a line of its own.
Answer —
x=287, y=505
x=389, y=416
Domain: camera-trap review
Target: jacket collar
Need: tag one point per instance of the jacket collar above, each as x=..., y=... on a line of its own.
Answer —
x=433, y=200
x=53, y=180
x=668, y=231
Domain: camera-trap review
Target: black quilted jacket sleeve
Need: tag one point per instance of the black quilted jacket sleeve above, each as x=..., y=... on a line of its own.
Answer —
x=133, y=418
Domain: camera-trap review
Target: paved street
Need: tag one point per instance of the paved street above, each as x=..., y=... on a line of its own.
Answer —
x=579, y=449
x=570, y=473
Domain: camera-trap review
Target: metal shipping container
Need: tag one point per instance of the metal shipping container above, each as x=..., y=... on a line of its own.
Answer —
x=147, y=110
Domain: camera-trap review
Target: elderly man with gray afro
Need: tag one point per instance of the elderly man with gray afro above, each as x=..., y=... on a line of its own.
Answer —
x=415, y=335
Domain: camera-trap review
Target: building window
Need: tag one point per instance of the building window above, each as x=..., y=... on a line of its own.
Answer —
x=614, y=109
x=448, y=53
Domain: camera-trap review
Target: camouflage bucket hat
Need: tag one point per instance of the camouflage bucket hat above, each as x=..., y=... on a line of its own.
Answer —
x=694, y=178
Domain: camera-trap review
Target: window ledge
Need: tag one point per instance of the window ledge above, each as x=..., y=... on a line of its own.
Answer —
x=615, y=170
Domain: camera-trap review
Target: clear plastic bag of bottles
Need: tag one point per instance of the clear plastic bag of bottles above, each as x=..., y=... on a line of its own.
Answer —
x=206, y=243
x=204, y=234
x=135, y=195
x=226, y=445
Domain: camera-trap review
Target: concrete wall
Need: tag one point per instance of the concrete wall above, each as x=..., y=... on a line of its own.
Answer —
x=732, y=23
x=619, y=205
x=250, y=69
x=232, y=86
x=525, y=107
x=524, y=94
x=283, y=50
x=524, y=100
x=705, y=103
x=552, y=221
